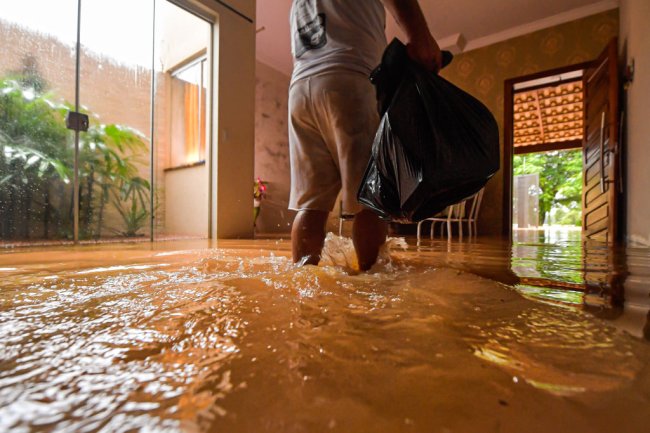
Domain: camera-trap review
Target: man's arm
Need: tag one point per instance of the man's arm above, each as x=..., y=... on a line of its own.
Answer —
x=420, y=44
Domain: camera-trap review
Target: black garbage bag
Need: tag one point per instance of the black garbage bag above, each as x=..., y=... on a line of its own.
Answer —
x=436, y=144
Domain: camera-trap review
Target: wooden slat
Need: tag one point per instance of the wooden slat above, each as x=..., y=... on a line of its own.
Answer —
x=599, y=204
x=592, y=171
x=593, y=196
x=599, y=229
x=597, y=214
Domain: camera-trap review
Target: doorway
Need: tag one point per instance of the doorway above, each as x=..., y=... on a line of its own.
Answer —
x=563, y=154
x=547, y=169
x=139, y=157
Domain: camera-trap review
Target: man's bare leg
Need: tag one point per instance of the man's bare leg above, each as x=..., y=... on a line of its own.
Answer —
x=308, y=236
x=368, y=235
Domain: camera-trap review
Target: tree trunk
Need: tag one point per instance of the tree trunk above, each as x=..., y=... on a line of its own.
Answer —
x=46, y=212
x=61, y=214
x=100, y=216
x=13, y=198
x=27, y=205
x=88, y=216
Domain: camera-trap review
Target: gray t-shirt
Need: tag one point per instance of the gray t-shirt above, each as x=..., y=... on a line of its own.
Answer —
x=330, y=35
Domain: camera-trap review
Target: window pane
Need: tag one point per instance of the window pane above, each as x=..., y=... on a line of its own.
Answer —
x=37, y=71
x=188, y=115
x=182, y=41
x=115, y=186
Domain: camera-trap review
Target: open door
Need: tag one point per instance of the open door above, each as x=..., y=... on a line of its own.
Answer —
x=601, y=149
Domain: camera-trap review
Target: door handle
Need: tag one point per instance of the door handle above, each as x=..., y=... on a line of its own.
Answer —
x=619, y=149
x=602, y=153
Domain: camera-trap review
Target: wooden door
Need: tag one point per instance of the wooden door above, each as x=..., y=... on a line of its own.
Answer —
x=601, y=148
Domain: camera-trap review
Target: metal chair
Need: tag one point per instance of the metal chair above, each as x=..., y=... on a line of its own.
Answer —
x=343, y=217
x=457, y=213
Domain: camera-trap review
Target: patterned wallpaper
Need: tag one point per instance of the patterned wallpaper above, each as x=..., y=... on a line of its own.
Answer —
x=482, y=73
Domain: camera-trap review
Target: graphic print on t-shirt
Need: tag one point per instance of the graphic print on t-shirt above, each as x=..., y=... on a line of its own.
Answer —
x=310, y=25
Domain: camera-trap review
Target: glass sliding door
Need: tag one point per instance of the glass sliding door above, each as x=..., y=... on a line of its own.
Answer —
x=115, y=91
x=37, y=70
x=181, y=122
x=142, y=80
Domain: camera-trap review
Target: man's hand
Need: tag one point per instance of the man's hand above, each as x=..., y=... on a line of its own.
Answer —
x=421, y=46
x=426, y=52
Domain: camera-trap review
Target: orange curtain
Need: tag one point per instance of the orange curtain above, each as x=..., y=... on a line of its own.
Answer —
x=204, y=129
x=192, y=152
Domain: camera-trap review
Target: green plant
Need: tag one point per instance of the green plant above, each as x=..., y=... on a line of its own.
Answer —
x=130, y=200
x=35, y=161
x=36, y=168
x=109, y=161
x=560, y=181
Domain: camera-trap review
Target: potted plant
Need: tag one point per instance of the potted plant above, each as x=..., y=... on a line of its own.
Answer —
x=259, y=193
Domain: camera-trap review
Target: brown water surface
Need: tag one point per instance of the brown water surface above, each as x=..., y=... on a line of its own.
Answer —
x=231, y=337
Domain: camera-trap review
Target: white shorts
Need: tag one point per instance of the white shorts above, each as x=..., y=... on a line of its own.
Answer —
x=332, y=123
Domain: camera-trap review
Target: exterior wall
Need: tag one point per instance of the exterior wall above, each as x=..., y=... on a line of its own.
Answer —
x=635, y=44
x=272, y=148
x=482, y=72
x=126, y=104
x=187, y=201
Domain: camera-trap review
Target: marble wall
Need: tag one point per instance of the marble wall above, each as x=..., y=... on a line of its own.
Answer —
x=272, y=149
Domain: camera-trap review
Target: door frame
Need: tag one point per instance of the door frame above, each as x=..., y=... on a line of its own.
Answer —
x=508, y=136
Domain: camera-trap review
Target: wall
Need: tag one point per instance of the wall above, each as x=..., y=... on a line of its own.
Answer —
x=482, y=73
x=186, y=201
x=635, y=44
x=176, y=42
x=272, y=148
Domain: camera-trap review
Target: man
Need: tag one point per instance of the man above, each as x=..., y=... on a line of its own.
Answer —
x=333, y=116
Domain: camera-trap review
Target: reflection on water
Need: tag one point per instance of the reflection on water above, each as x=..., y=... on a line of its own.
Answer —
x=237, y=339
x=551, y=254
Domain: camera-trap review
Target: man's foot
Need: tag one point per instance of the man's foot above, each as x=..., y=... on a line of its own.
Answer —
x=368, y=235
x=308, y=236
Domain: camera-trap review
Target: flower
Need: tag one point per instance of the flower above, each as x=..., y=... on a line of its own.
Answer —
x=259, y=192
x=259, y=189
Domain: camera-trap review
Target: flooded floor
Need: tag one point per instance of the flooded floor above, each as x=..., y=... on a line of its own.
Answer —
x=231, y=337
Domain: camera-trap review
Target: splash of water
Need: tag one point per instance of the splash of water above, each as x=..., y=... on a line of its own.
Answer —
x=339, y=251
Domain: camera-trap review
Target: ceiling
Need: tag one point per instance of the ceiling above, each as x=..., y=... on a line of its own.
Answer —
x=480, y=22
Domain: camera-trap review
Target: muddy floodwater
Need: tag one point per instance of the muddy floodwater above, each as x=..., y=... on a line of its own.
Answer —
x=231, y=337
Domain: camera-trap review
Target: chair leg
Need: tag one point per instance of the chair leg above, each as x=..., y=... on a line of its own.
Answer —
x=448, y=230
x=460, y=229
x=419, y=227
